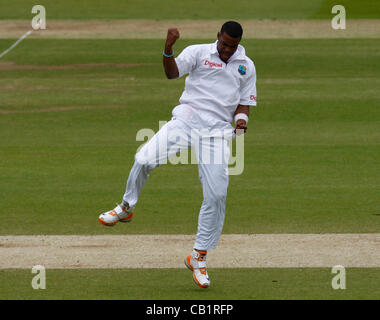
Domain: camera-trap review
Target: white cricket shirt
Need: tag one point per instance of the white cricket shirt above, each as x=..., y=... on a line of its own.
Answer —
x=214, y=88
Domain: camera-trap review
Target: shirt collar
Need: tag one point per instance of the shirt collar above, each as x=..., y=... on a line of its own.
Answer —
x=238, y=55
x=213, y=48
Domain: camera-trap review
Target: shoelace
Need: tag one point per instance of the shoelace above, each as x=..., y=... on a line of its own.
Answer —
x=202, y=257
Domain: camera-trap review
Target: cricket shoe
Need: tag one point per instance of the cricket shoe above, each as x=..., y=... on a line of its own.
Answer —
x=118, y=214
x=196, y=262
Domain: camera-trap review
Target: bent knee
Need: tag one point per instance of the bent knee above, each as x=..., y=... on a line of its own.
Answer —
x=215, y=196
x=144, y=161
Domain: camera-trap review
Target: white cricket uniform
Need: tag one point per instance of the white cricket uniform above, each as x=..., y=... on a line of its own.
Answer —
x=213, y=90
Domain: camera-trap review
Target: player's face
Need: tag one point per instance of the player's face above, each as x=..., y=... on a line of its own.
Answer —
x=226, y=46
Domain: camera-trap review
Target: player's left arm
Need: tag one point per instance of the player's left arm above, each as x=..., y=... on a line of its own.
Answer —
x=247, y=99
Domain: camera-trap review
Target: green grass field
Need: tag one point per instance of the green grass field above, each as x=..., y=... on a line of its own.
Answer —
x=311, y=155
x=241, y=284
x=68, y=137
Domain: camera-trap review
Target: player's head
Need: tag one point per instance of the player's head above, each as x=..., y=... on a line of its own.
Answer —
x=229, y=37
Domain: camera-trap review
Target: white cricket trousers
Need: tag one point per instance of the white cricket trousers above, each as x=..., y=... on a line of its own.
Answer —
x=212, y=154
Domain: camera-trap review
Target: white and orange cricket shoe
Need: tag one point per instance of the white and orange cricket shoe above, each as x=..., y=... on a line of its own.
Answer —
x=196, y=262
x=118, y=214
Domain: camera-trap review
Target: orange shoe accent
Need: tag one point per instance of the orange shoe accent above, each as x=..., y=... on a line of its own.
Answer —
x=128, y=218
x=187, y=262
x=198, y=283
x=113, y=213
x=203, y=270
x=190, y=267
x=105, y=223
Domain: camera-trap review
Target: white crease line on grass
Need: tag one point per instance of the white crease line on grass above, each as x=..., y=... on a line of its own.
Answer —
x=168, y=251
x=16, y=43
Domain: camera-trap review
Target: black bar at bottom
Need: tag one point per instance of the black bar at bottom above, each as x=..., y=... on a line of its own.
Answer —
x=192, y=309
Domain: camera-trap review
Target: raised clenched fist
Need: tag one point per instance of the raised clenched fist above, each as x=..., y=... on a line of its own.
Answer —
x=173, y=35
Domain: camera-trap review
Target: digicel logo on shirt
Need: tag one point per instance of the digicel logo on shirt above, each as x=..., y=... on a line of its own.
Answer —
x=213, y=64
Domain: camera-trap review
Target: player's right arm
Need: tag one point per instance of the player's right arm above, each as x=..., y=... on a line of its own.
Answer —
x=170, y=66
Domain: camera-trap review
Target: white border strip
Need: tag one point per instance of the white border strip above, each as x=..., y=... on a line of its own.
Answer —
x=16, y=43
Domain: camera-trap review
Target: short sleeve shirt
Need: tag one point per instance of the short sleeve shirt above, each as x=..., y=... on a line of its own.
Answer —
x=213, y=86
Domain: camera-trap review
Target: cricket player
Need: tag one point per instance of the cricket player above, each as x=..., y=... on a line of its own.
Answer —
x=219, y=90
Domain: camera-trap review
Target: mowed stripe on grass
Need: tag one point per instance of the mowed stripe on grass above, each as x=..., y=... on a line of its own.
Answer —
x=168, y=251
x=190, y=29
